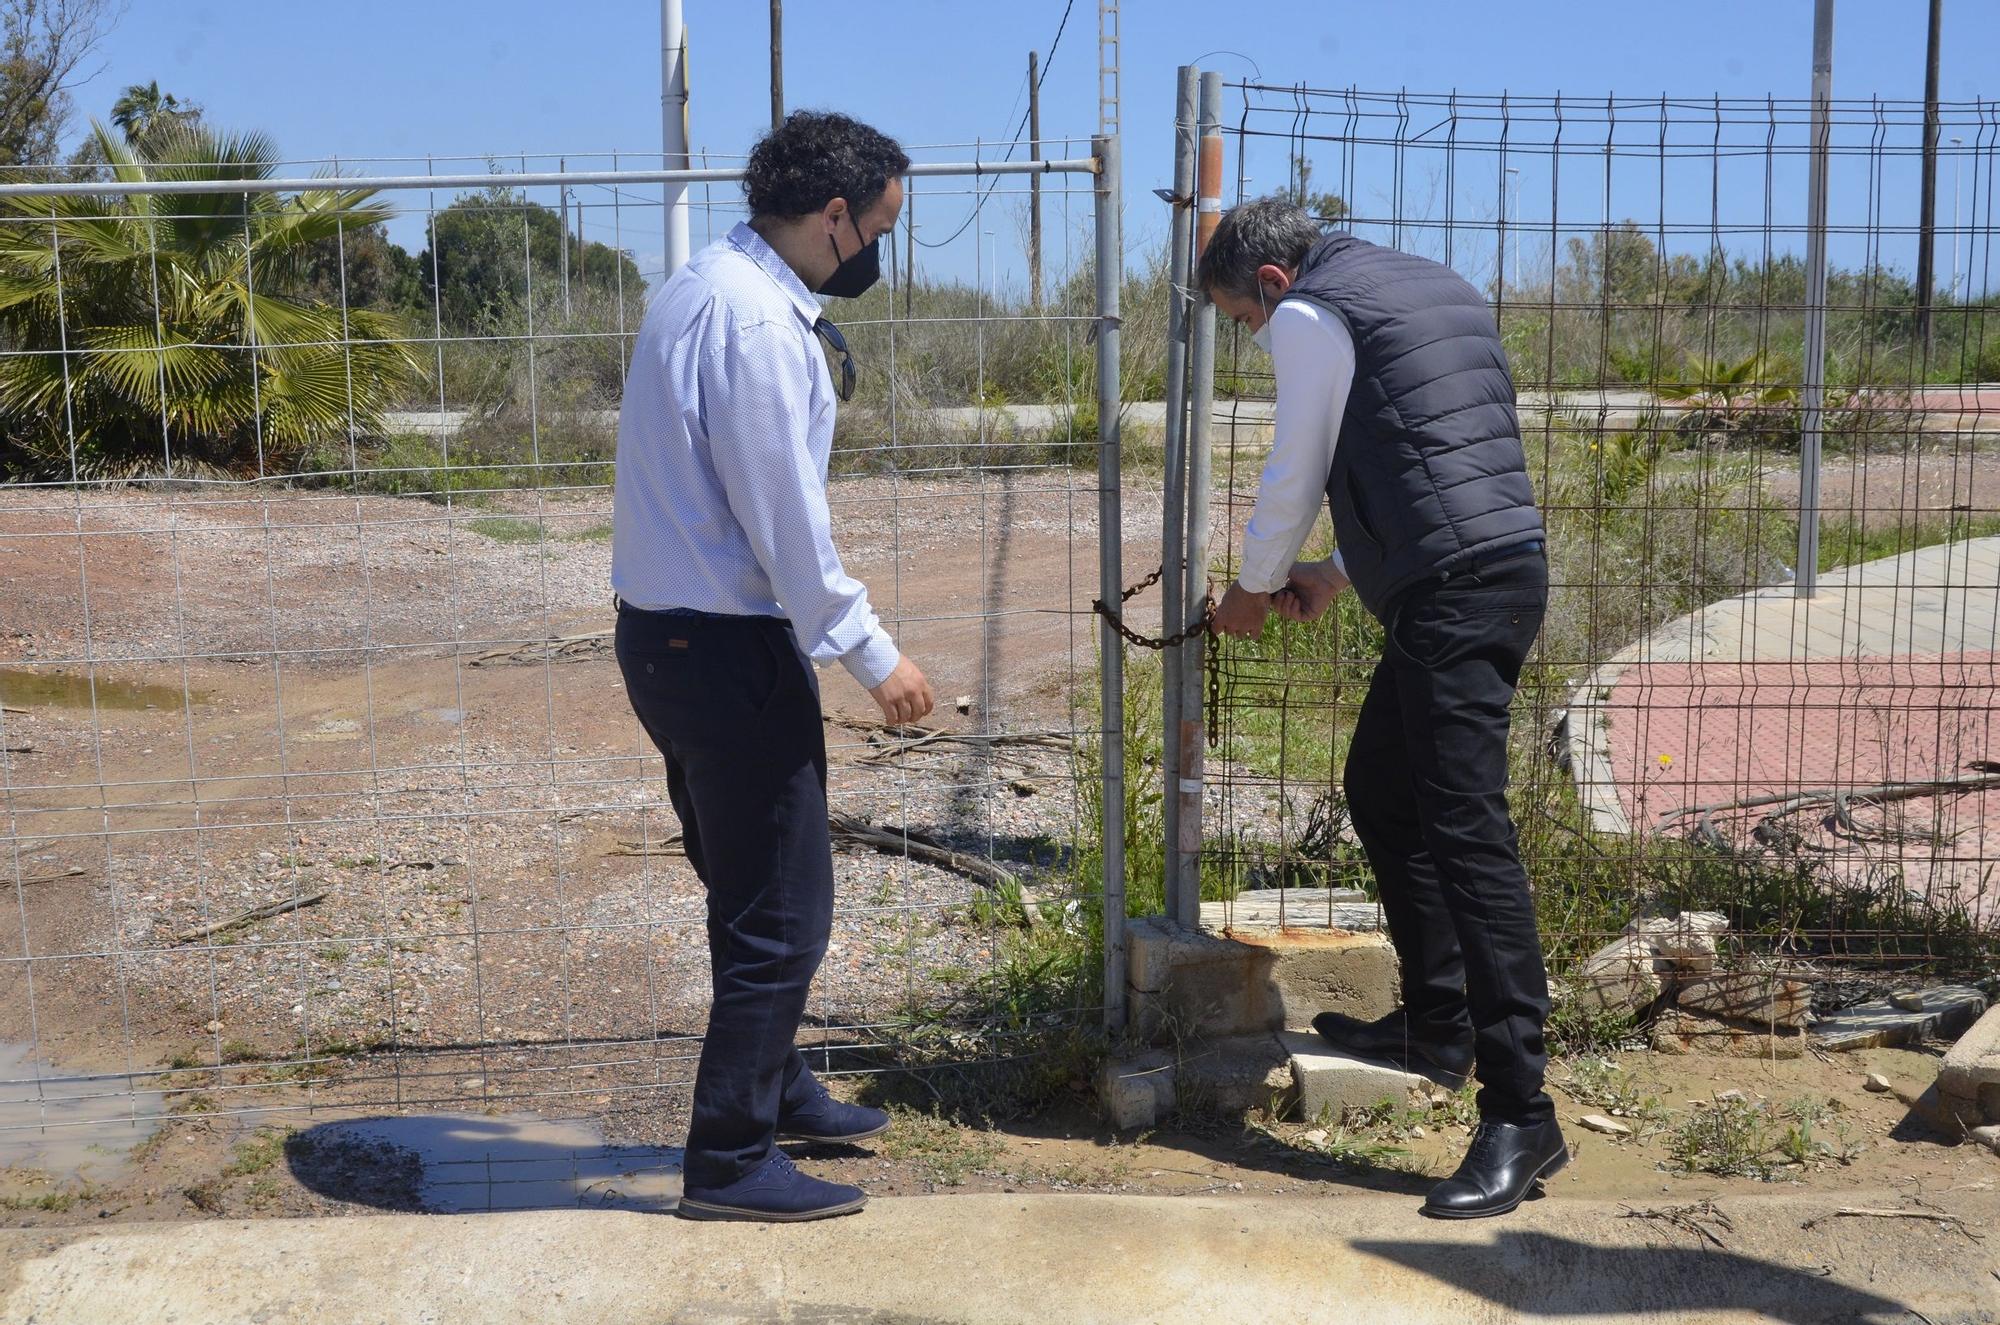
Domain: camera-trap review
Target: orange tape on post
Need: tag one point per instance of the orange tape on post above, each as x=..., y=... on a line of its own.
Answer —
x=1208, y=193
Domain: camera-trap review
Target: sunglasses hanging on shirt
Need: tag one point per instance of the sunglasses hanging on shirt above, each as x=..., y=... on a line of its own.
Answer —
x=831, y=335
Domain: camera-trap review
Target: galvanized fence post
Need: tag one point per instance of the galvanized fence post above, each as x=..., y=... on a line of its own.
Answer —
x=1173, y=519
x=1110, y=264
x=1184, y=904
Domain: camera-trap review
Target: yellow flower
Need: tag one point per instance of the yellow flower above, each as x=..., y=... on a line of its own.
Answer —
x=1666, y=761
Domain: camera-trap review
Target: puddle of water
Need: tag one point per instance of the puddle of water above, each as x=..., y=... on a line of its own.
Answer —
x=28, y=689
x=473, y=1162
x=68, y=1123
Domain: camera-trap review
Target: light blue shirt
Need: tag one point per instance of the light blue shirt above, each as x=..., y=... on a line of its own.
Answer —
x=723, y=441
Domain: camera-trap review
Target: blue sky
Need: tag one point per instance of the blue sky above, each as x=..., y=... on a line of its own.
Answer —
x=449, y=77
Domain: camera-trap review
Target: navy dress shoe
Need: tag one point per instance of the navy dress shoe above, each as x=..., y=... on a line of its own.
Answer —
x=1391, y=1039
x=826, y=1120
x=773, y=1192
x=1505, y=1162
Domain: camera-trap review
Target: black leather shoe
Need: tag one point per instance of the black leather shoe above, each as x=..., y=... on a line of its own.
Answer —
x=1390, y=1039
x=1504, y=1164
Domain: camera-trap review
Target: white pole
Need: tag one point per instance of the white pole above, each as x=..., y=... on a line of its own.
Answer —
x=1956, y=161
x=674, y=125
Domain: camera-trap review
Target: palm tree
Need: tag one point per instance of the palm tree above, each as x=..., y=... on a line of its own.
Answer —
x=167, y=328
x=144, y=114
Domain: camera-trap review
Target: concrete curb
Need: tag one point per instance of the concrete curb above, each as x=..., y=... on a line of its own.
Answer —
x=1031, y=1260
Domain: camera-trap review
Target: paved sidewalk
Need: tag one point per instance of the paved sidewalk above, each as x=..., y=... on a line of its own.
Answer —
x=1039, y=1260
x=1889, y=673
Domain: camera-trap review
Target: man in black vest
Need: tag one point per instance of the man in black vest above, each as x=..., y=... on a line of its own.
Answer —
x=1396, y=408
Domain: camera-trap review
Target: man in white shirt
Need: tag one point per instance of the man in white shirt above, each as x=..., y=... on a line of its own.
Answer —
x=1396, y=408
x=729, y=591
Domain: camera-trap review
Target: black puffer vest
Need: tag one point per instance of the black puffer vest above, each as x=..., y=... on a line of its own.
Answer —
x=1429, y=472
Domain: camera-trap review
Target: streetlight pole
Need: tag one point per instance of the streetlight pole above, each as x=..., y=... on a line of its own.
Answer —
x=674, y=129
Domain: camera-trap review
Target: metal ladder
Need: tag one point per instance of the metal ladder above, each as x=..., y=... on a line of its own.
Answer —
x=1107, y=67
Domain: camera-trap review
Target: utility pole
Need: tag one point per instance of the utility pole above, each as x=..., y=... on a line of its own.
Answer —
x=1034, y=184
x=1927, y=214
x=674, y=129
x=777, y=63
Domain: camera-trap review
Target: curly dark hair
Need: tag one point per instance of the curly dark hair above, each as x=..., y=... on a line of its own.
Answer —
x=817, y=156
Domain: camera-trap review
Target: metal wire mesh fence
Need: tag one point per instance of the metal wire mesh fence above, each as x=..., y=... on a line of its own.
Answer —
x=320, y=787
x=1699, y=731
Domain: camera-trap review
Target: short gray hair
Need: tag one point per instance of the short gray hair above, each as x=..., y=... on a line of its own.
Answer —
x=1273, y=231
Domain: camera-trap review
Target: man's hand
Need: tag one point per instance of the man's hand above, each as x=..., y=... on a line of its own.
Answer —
x=1310, y=591
x=906, y=696
x=1241, y=613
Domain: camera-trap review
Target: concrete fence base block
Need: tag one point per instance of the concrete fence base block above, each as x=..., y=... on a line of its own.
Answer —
x=1331, y=1083
x=1235, y=1076
x=1970, y=1073
x=1137, y=1092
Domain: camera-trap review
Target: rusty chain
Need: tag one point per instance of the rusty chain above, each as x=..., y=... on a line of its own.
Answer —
x=1203, y=625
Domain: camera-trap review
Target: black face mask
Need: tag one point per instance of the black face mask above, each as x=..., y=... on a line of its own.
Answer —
x=857, y=275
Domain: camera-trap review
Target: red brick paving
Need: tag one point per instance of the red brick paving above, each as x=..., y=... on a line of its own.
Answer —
x=1733, y=730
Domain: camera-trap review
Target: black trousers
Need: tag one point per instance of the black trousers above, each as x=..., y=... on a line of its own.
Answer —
x=1426, y=784
x=734, y=706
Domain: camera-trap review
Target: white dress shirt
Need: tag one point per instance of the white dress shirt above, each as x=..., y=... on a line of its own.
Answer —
x=1312, y=353
x=723, y=440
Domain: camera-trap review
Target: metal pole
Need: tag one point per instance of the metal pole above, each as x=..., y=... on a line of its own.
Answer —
x=777, y=63
x=562, y=164
x=1034, y=185
x=1813, y=389
x=1185, y=905
x=1110, y=576
x=909, y=246
x=1173, y=520
x=1514, y=218
x=1927, y=203
x=1956, y=163
x=674, y=126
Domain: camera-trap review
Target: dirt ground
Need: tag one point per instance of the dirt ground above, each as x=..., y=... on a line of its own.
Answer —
x=254, y=1166
x=347, y=710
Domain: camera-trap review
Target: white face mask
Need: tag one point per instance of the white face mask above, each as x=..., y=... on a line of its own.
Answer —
x=1262, y=336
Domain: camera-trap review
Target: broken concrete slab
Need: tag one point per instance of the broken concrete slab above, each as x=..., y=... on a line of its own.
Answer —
x=1971, y=1070
x=1682, y=1031
x=1947, y=1014
x=1691, y=939
x=1330, y=1083
x=1626, y=974
x=1757, y=998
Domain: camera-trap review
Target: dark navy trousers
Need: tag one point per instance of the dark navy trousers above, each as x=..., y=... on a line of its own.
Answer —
x=734, y=706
